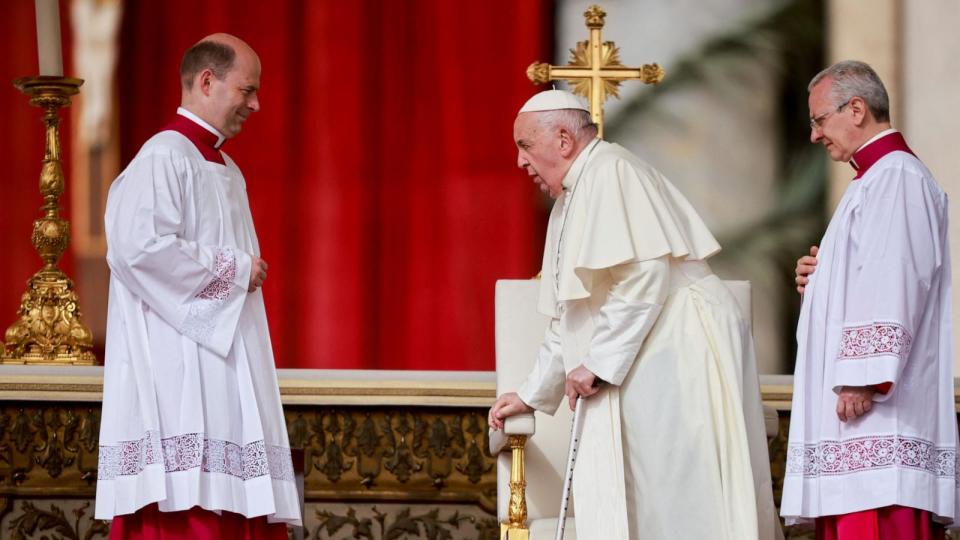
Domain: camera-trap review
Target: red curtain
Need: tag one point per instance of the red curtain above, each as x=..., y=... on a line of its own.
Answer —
x=381, y=171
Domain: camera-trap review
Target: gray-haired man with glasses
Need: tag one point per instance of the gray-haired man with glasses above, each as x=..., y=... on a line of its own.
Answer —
x=873, y=430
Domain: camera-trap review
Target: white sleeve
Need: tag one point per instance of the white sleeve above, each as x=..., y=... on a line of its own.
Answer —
x=633, y=304
x=197, y=289
x=894, y=257
x=543, y=388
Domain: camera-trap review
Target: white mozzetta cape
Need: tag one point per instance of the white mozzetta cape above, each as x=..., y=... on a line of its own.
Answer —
x=674, y=446
x=876, y=310
x=191, y=408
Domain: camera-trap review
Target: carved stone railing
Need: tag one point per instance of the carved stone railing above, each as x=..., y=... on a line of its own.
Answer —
x=386, y=454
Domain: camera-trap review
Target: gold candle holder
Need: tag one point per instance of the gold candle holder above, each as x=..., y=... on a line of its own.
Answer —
x=49, y=330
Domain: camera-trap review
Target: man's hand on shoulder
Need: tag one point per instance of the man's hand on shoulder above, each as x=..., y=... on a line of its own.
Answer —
x=854, y=401
x=258, y=273
x=805, y=266
x=507, y=404
x=580, y=382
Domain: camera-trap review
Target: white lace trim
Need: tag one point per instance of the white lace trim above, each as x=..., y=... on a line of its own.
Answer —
x=877, y=339
x=833, y=457
x=201, y=317
x=192, y=451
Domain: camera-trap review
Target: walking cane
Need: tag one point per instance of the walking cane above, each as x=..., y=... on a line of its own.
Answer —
x=571, y=461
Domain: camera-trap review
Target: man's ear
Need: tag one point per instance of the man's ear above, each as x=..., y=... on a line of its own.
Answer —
x=859, y=109
x=566, y=143
x=205, y=81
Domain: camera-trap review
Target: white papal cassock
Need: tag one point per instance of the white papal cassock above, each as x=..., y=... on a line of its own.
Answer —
x=674, y=447
x=877, y=310
x=191, y=408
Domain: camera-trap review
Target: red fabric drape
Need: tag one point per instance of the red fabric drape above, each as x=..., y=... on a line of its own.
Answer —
x=381, y=170
x=21, y=155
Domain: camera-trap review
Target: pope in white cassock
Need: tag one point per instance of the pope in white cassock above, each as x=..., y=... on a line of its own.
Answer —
x=873, y=428
x=673, y=441
x=193, y=440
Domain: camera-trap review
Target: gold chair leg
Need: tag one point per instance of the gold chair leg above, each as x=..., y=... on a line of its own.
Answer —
x=516, y=526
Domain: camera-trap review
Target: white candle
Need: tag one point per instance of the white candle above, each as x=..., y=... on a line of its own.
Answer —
x=48, y=37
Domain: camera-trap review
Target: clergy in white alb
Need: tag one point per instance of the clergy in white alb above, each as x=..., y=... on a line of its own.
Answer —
x=673, y=441
x=873, y=428
x=191, y=409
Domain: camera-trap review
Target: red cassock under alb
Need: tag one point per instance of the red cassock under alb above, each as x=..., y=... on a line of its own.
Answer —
x=149, y=523
x=887, y=523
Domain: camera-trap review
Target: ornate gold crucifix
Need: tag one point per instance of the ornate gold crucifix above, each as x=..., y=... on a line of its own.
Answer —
x=594, y=71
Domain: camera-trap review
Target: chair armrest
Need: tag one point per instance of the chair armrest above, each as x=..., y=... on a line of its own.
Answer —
x=521, y=424
x=771, y=421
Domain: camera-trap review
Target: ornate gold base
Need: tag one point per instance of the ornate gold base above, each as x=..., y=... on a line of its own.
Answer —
x=49, y=330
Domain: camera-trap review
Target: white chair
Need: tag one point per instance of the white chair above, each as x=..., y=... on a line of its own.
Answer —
x=530, y=512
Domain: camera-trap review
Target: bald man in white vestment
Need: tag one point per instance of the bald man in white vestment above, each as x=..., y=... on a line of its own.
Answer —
x=673, y=442
x=193, y=442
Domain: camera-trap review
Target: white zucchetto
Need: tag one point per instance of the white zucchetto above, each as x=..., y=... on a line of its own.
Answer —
x=554, y=100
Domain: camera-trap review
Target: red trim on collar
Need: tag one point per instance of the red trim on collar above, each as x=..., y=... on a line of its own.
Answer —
x=201, y=137
x=864, y=158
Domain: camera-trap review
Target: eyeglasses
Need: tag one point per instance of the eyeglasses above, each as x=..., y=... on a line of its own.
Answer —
x=817, y=121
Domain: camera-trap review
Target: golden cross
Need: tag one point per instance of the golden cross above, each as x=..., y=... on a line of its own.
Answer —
x=594, y=71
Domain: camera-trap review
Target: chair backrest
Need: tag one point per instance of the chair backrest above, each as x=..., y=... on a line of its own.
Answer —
x=519, y=333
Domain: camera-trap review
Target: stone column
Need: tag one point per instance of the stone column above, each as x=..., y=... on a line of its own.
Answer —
x=874, y=39
x=930, y=95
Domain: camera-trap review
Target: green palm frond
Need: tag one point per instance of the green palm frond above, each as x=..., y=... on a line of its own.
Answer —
x=782, y=37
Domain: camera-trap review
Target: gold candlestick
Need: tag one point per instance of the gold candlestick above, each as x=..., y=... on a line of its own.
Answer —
x=49, y=330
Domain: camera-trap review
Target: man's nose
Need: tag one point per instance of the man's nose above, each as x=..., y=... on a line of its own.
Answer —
x=254, y=104
x=521, y=161
x=815, y=135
